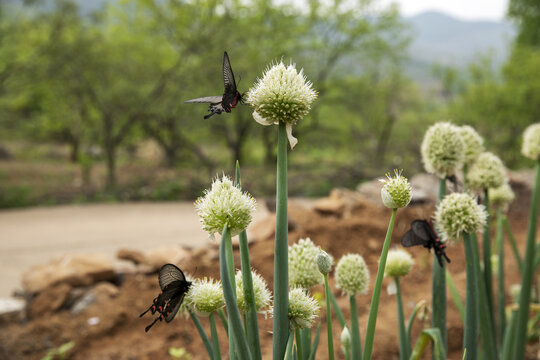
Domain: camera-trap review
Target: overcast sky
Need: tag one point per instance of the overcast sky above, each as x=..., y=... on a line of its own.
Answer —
x=463, y=9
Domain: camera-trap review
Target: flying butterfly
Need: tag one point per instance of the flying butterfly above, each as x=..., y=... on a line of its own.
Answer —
x=174, y=286
x=231, y=97
x=422, y=233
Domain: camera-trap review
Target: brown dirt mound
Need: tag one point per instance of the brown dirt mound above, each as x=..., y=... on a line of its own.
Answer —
x=111, y=329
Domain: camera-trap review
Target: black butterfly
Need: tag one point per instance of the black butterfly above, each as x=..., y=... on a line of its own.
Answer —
x=174, y=286
x=422, y=233
x=231, y=97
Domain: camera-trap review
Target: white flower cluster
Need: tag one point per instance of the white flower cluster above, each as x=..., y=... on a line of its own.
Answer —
x=443, y=149
x=260, y=290
x=396, y=192
x=282, y=94
x=303, y=269
x=458, y=213
x=224, y=204
x=352, y=274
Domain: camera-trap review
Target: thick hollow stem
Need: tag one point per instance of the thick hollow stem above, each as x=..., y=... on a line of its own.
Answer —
x=215, y=339
x=528, y=271
x=470, y=336
x=329, y=319
x=488, y=272
x=281, y=261
x=404, y=345
x=370, y=332
x=356, y=347
x=501, y=301
x=438, y=287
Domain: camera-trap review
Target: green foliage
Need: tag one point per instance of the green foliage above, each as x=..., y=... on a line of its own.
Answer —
x=59, y=353
x=179, y=353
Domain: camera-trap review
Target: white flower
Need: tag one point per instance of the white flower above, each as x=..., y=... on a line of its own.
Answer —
x=224, y=204
x=486, y=172
x=352, y=274
x=303, y=270
x=303, y=309
x=398, y=263
x=260, y=290
x=282, y=94
x=205, y=296
x=501, y=196
x=458, y=213
x=531, y=142
x=443, y=149
x=474, y=144
x=396, y=192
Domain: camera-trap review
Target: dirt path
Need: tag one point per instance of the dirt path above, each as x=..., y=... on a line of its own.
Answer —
x=33, y=236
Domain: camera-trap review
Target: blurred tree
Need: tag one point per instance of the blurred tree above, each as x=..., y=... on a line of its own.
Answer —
x=526, y=14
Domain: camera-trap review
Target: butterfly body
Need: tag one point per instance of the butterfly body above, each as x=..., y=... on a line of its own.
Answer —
x=174, y=286
x=231, y=96
x=422, y=233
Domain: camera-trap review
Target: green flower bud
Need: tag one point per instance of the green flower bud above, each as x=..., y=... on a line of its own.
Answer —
x=458, y=213
x=352, y=274
x=260, y=290
x=224, y=204
x=501, y=196
x=531, y=142
x=398, y=263
x=396, y=192
x=205, y=296
x=324, y=262
x=486, y=172
x=303, y=270
x=282, y=94
x=443, y=149
x=474, y=144
x=515, y=289
x=303, y=309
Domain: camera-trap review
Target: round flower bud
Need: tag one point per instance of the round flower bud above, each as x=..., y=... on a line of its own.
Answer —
x=398, y=263
x=224, y=204
x=260, y=290
x=443, y=149
x=474, y=144
x=486, y=172
x=501, y=196
x=205, y=296
x=345, y=339
x=303, y=270
x=458, y=213
x=531, y=142
x=303, y=309
x=282, y=94
x=396, y=192
x=352, y=274
x=324, y=262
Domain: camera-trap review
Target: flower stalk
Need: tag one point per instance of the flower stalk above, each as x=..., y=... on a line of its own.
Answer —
x=528, y=269
x=404, y=344
x=438, y=285
x=488, y=272
x=202, y=334
x=501, y=301
x=370, y=332
x=215, y=339
x=470, y=336
x=281, y=262
x=356, y=347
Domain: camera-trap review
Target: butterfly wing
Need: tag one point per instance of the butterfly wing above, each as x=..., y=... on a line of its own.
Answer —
x=173, y=306
x=228, y=76
x=206, y=99
x=410, y=239
x=422, y=229
x=168, y=274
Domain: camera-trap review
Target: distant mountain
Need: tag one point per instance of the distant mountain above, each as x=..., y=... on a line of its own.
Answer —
x=439, y=38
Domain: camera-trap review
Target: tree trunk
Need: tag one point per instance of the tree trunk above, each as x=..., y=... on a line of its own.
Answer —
x=74, y=150
x=110, y=152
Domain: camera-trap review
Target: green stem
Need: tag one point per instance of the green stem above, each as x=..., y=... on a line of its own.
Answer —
x=237, y=336
x=412, y=317
x=224, y=320
x=288, y=350
x=370, y=332
x=329, y=319
x=404, y=345
x=299, y=344
x=501, y=301
x=202, y=334
x=337, y=310
x=215, y=339
x=488, y=272
x=313, y=351
x=509, y=335
x=281, y=261
x=489, y=344
x=438, y=285
x=356, y=344
x=305, y=336
x=512, y=239
x=455, y=295
x=230, y=269
x=470, y=336
x=251, y=322
x=528, y=271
